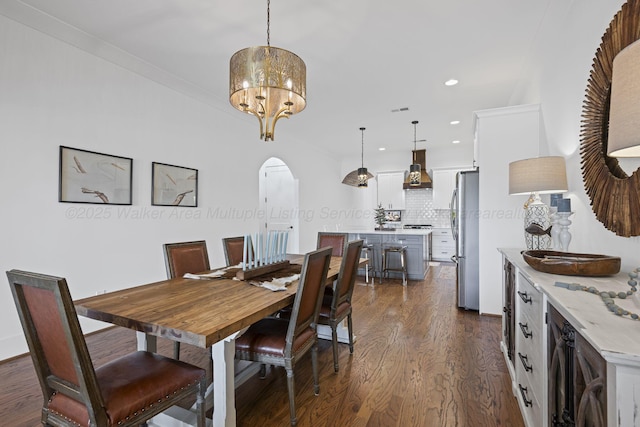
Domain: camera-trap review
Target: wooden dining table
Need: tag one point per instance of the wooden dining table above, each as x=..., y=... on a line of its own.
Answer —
x=207, y=313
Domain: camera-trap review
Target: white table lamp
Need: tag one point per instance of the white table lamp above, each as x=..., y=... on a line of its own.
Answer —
x=533, y=177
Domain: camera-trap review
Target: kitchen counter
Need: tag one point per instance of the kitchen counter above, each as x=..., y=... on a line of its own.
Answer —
x=417, y=241
x=398, y=231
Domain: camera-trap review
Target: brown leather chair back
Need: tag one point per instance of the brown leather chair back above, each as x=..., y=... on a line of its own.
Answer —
x=348, y=272
x=335, y=240
x=308, y=299
x=58, y=349
x=136, y=387
x=233, y=247
x=186, y=257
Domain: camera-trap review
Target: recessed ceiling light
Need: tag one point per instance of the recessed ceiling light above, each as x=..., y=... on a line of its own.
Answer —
x=455, y=142
x=451, y=82
x=381, y=149
x=454, y=122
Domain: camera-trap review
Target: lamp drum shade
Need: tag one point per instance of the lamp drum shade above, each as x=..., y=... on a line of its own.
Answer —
x=538, y=175
x=624, y=116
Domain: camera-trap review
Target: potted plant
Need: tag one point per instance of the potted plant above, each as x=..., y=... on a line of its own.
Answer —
x=379, y=217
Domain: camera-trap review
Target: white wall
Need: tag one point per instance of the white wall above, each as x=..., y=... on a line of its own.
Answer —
x=504, y=135
x=566, y=63
x=54, y=94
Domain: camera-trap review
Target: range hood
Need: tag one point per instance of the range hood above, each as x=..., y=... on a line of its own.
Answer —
x=419, y=157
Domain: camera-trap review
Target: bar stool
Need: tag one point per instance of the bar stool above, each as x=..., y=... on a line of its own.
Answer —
x=366, y=250
x=393, y=249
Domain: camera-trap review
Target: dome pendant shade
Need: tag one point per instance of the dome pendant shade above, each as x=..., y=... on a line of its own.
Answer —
x=268, y=83
x=360, y=177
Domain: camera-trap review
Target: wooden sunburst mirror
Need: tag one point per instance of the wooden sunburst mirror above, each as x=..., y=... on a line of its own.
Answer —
x=615, y=196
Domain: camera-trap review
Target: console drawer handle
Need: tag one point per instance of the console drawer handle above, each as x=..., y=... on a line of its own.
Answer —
x=523, y=392
x=525, y=330
x=524, y=359
x=525, y=297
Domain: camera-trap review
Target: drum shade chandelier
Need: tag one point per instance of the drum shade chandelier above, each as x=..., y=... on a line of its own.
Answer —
x=268, y=83
x=359, y=177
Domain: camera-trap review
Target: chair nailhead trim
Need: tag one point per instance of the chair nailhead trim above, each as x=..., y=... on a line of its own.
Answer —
x=120, y=422
x=151, y=405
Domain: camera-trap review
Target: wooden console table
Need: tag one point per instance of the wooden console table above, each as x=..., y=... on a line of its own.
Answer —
x=567, y=354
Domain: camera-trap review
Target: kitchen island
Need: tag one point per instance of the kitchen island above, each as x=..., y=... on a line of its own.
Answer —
x=418, y=243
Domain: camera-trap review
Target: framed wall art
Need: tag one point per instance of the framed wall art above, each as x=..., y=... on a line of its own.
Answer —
x=90, y=177
x=173, y=185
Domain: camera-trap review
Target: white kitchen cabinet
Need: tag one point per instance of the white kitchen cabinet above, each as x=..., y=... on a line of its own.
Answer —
x=444, y=182
x=443, y=245
x=390, y=192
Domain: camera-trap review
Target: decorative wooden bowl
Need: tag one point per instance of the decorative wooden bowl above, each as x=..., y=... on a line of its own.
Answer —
x=571, y=264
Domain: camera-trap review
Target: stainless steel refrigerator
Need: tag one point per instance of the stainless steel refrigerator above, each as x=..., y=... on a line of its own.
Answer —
x=464, y=226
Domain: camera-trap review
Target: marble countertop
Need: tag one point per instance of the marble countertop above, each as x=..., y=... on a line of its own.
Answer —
x=616, y=337
x=398, y=231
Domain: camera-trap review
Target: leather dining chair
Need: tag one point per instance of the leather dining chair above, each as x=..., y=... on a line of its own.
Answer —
x=282, y=342
x=233, y=247
x=336, y=305
x=335, y=240
x=185, y=257
x=127, y=391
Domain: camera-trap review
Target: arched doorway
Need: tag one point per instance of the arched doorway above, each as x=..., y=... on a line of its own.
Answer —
x=278, y=192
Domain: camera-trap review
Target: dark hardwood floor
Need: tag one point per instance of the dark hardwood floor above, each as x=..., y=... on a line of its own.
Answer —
x=418, y=361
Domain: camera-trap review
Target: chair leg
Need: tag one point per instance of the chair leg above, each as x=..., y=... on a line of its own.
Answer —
x=334, y=344
x=200, y=405
x=350, y=327
x=263, y=371
x=176, y=350
x=404, y=268
x=292, y=402
x=314, y=367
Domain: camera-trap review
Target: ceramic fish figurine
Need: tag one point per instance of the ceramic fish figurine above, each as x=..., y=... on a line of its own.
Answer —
x=536, y=230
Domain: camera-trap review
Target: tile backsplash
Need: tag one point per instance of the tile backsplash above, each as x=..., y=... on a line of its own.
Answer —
x=419, y=209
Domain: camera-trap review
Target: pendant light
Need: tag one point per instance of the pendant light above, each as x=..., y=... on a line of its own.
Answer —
x=414, y=169
x=363, y=176
x=360, y=176
x=267, y=82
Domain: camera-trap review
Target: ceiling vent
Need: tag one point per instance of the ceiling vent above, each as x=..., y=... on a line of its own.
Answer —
x=419, y=157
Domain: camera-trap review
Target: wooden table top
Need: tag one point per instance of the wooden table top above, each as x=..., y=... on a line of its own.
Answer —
x=198, y=312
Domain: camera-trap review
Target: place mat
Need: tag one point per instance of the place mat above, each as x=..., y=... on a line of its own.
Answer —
x=220, y=273
x=291, y=269
x=276, y=280
x=278, y=284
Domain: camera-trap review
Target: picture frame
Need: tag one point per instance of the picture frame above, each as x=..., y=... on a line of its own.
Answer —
x=91, y=177
x=173, y=185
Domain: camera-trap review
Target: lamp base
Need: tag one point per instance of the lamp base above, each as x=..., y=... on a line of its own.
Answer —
x=537, y=226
